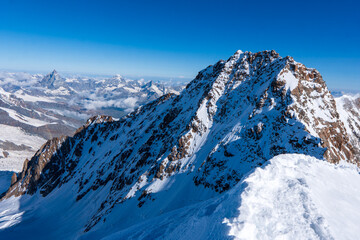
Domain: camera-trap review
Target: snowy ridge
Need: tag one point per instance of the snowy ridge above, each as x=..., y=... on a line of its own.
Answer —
x=181, y=150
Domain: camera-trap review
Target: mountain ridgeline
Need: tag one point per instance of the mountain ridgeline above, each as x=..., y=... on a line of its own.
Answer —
x=178, y=149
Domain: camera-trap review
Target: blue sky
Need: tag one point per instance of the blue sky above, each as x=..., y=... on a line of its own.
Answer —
x=178, y=38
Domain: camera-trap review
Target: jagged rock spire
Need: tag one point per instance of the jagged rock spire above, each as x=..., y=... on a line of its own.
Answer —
x=51, y=80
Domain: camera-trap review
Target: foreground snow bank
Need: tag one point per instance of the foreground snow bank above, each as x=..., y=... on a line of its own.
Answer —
x=293, y=197
x=299, y=197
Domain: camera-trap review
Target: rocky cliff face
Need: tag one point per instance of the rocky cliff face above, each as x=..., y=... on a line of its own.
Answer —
x=232, y=118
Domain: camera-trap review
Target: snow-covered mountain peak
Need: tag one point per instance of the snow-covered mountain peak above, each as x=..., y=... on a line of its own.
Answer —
x=268, y=79
x=118, y=76
x=52, y=80
x=179, y=149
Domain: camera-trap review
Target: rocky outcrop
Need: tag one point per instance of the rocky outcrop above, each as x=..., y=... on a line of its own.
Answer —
x=312, y=97
x=13, y=179
x=47, y=164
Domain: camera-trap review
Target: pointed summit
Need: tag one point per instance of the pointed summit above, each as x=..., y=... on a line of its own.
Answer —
x=51, y=80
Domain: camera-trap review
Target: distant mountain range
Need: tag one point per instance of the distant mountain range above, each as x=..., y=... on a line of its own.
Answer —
x=247, y=150
x=35, y=108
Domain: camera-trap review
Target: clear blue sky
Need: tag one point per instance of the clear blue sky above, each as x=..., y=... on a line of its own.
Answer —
x=178, y=38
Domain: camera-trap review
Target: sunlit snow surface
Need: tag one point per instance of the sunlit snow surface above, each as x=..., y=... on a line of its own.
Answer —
x=19, y=137
x=299, y=197
x=292, y=197
x=9, y=213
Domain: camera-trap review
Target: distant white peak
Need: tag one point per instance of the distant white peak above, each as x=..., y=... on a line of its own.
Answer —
x=352, y=96
x=118, y=76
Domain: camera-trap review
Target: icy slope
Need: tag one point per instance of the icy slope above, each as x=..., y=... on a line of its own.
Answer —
x=293, y=197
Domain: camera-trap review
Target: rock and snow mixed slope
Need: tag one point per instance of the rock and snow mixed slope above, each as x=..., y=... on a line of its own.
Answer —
x=179, y=150
x=34, y=108
x=292, y=197
x=349, y=112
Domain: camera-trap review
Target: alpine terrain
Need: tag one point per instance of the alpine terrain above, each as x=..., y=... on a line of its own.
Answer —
x=35, y=108
x=255, y=147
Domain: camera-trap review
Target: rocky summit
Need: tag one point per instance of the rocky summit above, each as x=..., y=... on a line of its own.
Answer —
x=180, y=150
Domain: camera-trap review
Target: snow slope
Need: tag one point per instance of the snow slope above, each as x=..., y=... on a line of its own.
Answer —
x=21, y=145
x=299, y=197
x=293, y=197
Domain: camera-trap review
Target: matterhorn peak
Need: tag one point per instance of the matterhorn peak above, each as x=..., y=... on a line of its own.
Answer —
x=51, y=80
x=54, y=73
